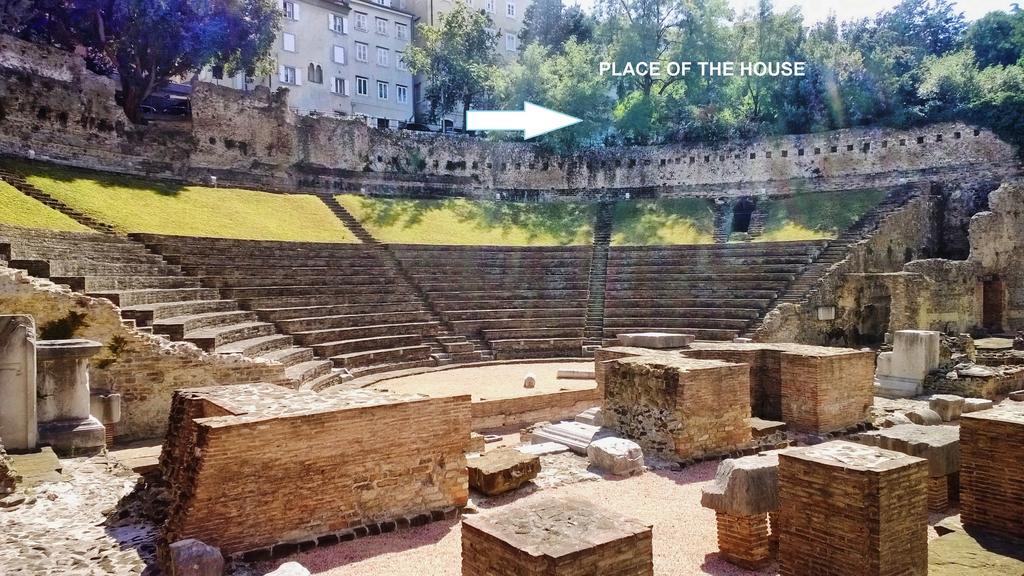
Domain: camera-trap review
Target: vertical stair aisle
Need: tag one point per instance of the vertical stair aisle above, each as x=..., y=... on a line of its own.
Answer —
x=594, y=329
x=447, y=346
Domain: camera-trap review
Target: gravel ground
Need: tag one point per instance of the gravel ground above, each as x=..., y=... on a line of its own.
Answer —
x=684, y=532
x=491, y=382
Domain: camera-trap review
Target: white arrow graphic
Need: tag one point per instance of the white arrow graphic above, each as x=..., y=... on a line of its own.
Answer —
x=533, y=120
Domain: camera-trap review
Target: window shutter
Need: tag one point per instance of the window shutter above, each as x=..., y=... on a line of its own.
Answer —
x=298, y=76
x=344, y=86
x=330, y=21
x=344, y=25
x=296, y=4
x=280, y=72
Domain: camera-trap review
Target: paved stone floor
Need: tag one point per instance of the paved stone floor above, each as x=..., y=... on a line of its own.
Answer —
x=79, y=525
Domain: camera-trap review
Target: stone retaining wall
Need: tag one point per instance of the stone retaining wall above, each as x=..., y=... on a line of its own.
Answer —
x=56, y=108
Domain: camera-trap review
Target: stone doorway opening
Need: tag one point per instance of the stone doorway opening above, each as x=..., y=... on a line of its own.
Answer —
x=741, y=214
x=993, y=304
x=873, y=316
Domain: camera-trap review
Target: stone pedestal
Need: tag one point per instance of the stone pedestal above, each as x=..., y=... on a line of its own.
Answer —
x=852, y=510
x=63, y=400
x=940, y=445
x=555, y=537
x=901, y=373
x=679, y=408
x=18, y=417
x=992, y=470
x=501, y=470
x=743, y=495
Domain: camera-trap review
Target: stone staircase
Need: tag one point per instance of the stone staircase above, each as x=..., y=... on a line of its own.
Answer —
x=447, y=347
x=155, y=296
x=593, y=330
x=19, y=182
x=805, y=285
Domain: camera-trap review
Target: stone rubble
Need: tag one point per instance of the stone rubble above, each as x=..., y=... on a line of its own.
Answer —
x=616, y=456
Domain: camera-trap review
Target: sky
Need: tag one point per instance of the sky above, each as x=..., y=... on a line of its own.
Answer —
x=817, y=10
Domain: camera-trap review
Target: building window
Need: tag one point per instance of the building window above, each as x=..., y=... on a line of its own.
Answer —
x=338, y=23
x=384, y=3
x=383, y=56
x=360, y=21
x=510, y=9
x=401, y=31
x=400, y=61
x=489, y=6
x=382, y=26
x=289, y=75
x=362, y=86
x=339, y=55
x=382, y=90
x=288, y=42
x=511, y=43
x=401, y=93
x=340, y=86
x=361, y=52
x=315, y=74
x=290, y=10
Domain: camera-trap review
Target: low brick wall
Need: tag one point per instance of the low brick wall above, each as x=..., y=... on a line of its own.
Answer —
x=992, y=470
x=529, y=409
x=259, y=466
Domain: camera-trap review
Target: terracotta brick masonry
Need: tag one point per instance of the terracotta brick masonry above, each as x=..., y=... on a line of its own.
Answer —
x=992, y=470
x=744, y=540
x=852, y=510
x=258, y=467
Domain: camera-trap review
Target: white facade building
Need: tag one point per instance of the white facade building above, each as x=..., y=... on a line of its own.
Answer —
x=342, y=58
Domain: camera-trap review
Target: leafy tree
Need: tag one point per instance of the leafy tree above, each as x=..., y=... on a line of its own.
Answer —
x=998, y=38
x=764, y=36
x=550, y=24
x=456, y=57
x=148, y=43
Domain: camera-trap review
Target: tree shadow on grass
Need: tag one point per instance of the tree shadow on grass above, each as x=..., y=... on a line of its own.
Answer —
x=69, y=176
x=666, y=221
x=563, y=222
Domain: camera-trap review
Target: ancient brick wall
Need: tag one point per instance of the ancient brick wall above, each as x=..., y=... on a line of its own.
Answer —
x=53, y=106
x=302, y=466
x=143, y=368
x=992, y=470
x=529, y=409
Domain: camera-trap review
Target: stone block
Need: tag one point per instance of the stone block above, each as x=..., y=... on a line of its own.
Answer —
x=64, y=402
x=657, y=340
x=529, y=381
x=476, y=443
x=191, y=557
x=1017, y=396
x=576, y=435
x=746, y=486
x=555, y=537
x=939, y=445
x=18, y=414
x=976, y=405
x=290, y=569
x=543, y=448
x=924, y=416
x=679, y=408
x=847, y=509
x=616, y=456
x=760, y=427
x=591, y=416
x=947, y=406
x=502, y=470
x=568, y=374
x=915, y=353
x=992, y=470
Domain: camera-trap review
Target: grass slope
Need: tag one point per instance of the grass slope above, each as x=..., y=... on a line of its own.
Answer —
x=661, y=222
x=814, y=216
x=20, y=210
x=471, y=222
x=137, y=205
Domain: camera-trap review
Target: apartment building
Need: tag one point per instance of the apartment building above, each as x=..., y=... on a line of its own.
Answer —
x=507, y=16
x=342, y=58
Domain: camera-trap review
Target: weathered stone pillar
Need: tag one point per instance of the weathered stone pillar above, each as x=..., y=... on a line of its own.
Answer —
x=18, y=383
x=743, y=495
x=65, y=420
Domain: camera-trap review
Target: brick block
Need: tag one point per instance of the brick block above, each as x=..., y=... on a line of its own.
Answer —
x=992, y=470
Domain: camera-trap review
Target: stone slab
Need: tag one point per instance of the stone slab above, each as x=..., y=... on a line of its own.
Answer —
x=543, y=449
x=976, y=404
x=760, y=427
x=568, y=374
x=924, y=416
x=591, y=416
x=576, y=435
x=948, y=406
x=961, y=553
x=502, y=470
x=746, y=486
x=657, y=340
x=940, y=445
